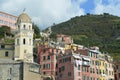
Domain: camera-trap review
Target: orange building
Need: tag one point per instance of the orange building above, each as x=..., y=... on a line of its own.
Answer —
x=7, y=20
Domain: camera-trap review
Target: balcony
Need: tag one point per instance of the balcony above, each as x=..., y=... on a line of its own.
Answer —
x=85, y=63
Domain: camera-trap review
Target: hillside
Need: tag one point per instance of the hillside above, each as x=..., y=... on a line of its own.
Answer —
x=93, y=30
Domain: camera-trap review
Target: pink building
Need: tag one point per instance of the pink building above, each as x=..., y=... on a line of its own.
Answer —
x=48, y=59
x=7, y=20
x=64, y=38
x=69, y=67
x=94, y=69
x=84, y=53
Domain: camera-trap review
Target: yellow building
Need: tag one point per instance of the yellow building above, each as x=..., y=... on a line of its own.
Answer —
x=67, y=46
x=6, y=51
x=102, y=67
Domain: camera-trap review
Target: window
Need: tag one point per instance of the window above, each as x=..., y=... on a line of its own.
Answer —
x=100, y=72
x=17, y=41
x=92, y=62
x=29, y=27
x=30, y=41
x=2, y=46
x=90, y=70
x=56, y=73
x=6, y=54
x=24, y=26
x=43, y=66
x=93, y=70
x=87, y=69
x=100, y=63
x=83, y=69
x=91, y=78
x=44, y=57
x=48, y=57
x=59, y=69
x=78, y=73
x=10, y=70
x=25, y=51
x=62, y=68
x=62, y=38
x=103, y=72
x=18, y=26
x=44, y=73
x=60, y=75
x=84, y=77
x=24, y=41
x=97, y=71
x=48, y=66
x=69, y=73
x=88, y=78
x=97, y=63
x=78, y=67
x=56, y=65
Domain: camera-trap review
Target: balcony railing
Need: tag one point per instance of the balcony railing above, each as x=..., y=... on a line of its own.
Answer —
x=86, y=63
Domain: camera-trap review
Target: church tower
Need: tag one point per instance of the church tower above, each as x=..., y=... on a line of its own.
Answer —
x=24, y=39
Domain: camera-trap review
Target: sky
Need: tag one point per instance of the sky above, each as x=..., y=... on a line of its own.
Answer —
x=46, y=12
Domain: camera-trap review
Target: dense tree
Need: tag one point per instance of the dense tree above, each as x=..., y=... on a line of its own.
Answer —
x=36, y=31
x=5, y=30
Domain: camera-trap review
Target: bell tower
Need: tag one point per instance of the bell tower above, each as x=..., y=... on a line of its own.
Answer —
x=24, y=39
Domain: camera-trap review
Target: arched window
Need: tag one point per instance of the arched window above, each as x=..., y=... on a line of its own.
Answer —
x=17, y=41
x=24, y=41
x=29, y=27
x=6, y=54
x=30, y=41
x=24, y=26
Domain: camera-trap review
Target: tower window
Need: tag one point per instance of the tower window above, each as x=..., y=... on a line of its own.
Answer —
x=25, y=51
x=29, y=27
x=24, y=41
x=30, y=41
x=6, y=54
x=17, y=41
x=24, y=26
x=10, y=70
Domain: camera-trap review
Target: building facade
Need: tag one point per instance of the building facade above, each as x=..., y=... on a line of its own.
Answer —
x=12, y=70
x=47, y=57
x=7, y=20
x=6, y=51
x=69, y=67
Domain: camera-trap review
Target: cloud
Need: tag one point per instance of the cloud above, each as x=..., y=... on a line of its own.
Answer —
x=45, y=12
x=111, y=7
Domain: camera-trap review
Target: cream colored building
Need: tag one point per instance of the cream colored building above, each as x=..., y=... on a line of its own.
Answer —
x=6, y=51
x=24, y=39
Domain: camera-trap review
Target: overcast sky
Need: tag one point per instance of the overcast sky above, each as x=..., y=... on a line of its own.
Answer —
x=46, y=12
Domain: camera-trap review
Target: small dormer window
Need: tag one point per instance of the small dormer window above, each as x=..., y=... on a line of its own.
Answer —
x=24, y=26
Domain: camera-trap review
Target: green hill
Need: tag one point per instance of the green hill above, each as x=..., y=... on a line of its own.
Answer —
x=93, y=30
